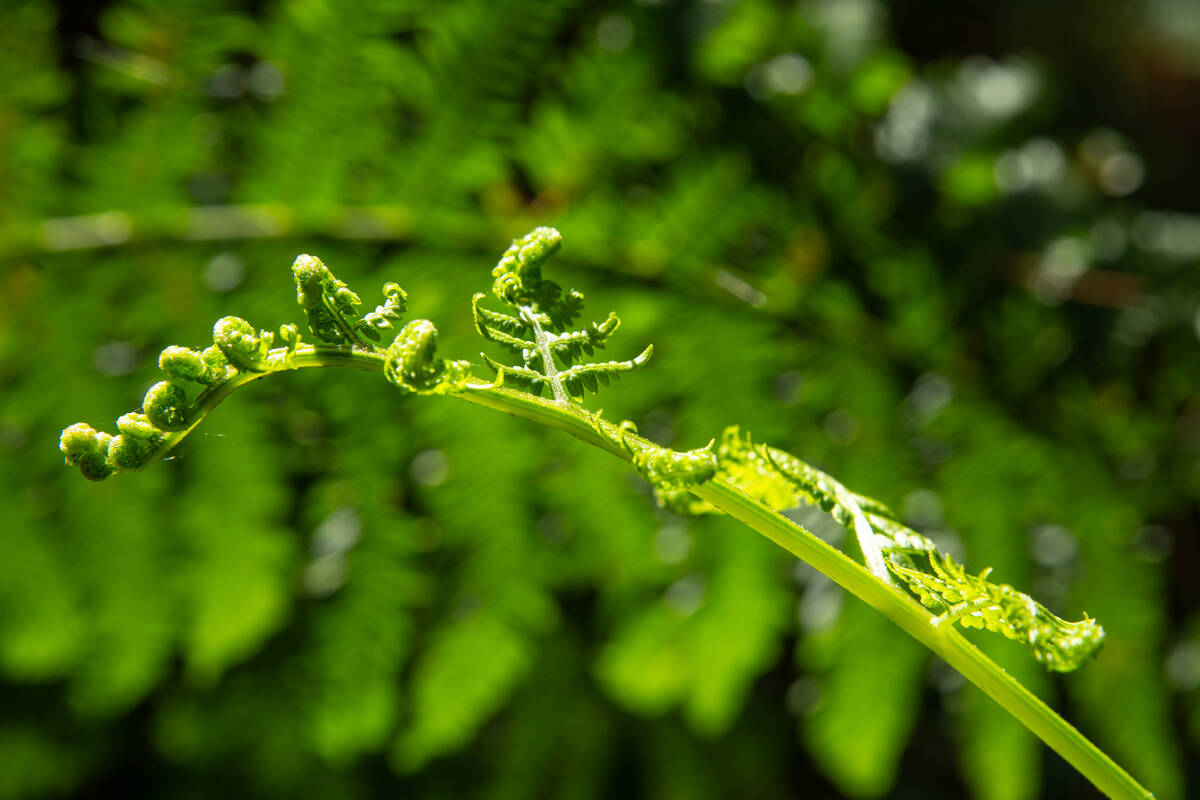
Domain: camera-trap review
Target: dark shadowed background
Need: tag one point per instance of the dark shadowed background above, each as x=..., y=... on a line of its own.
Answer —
x=949, y=252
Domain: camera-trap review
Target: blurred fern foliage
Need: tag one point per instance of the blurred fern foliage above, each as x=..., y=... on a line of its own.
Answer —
x=934, y=273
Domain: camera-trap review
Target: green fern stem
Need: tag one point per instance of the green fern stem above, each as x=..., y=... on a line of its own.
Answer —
x=890, y=601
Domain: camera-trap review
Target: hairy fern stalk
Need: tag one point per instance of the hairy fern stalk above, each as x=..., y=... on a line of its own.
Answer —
x=903, y=575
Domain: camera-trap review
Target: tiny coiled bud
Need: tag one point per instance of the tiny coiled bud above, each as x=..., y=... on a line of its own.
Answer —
x=245, y=347
x=77, y=441
x=282, y=357
x=94, y=465
x=413, y=365
x=129, y=452
x=166, y=406
x=187, y=364
x=289, y=336
x=137, y=426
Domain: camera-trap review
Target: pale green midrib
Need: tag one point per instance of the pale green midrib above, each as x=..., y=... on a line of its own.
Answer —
x=905, y=612
x=542, y=342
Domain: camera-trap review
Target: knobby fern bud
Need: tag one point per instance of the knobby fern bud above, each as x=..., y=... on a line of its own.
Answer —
x=135, y=444
x=187, y=364
x=330, y=305
x=95, y=466
x=289, y=335
x=77, y=441
x=245, y=347
x=166, y=406
x=332, y=308
x=128, y=452
x=137, y=426
x=214, y=358
x=86, y=447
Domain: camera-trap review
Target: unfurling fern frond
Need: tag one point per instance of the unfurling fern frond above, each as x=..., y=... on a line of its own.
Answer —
x=332, y=308
x=781, y=481
x=539, y=331
x=748, y=481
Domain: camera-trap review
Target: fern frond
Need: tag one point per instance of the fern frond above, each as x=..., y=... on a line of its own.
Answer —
x=539, y=332
x=501, y=328
x=488, y=322
x=780, y=480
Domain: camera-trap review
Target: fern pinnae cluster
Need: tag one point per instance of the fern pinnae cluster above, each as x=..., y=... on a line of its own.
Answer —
x=948, y=590
x=943, y=586
x=539, y=331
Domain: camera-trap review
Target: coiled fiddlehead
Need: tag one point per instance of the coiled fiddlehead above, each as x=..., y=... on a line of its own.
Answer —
x=539, y=332
x=166, y=406
x=87, y=448
x=239, y=353
x=245, y=348
x=413, y=365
